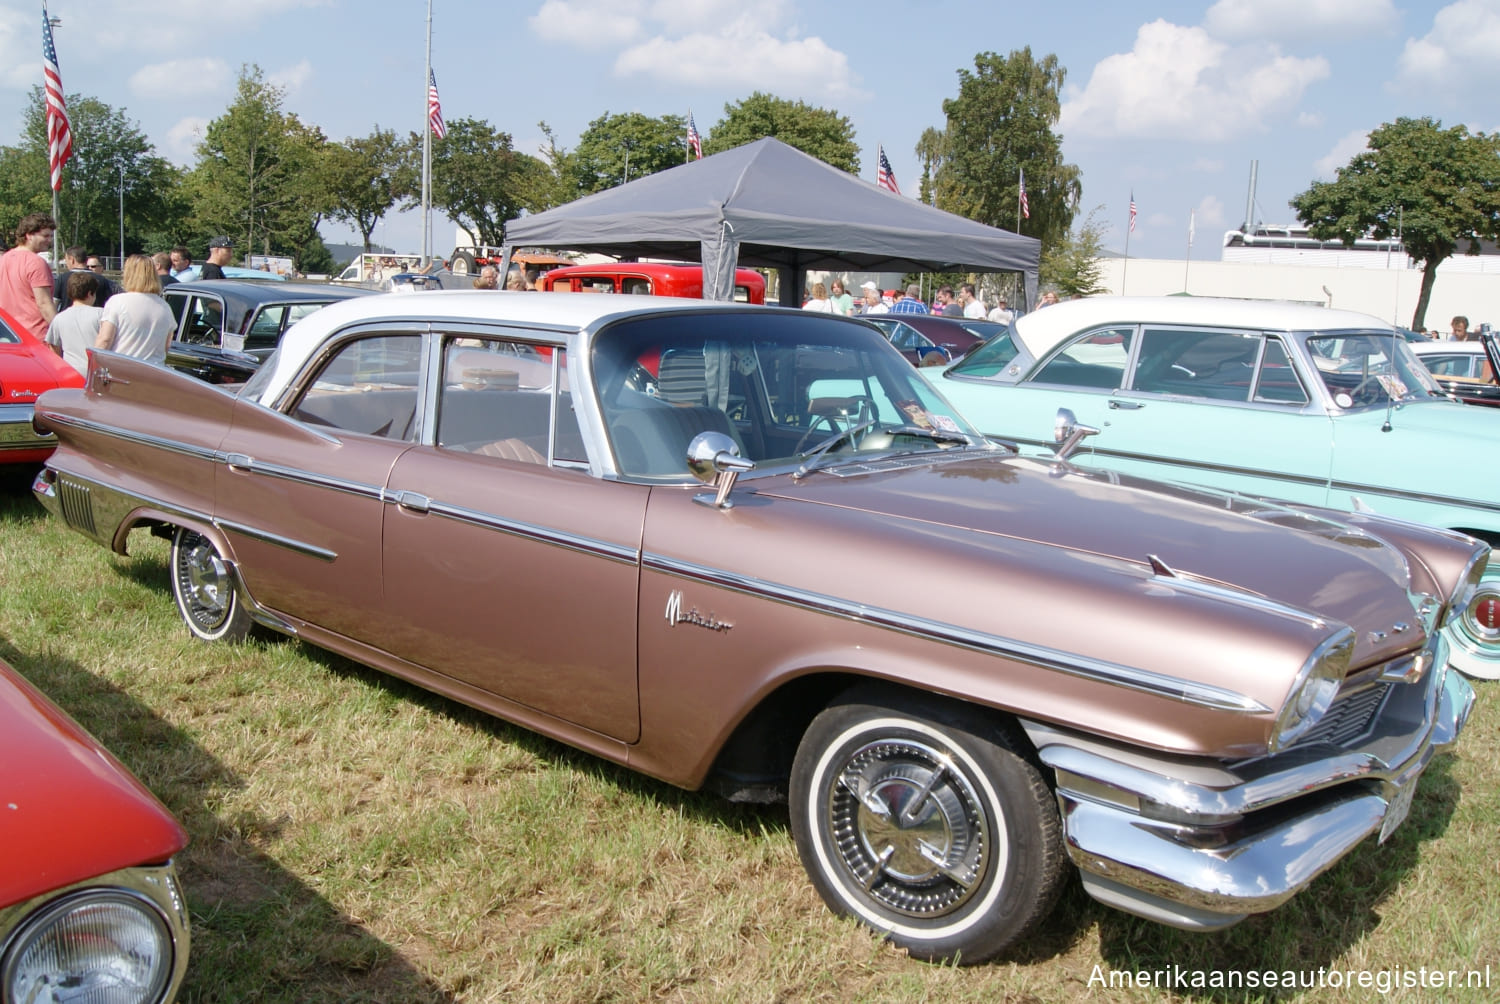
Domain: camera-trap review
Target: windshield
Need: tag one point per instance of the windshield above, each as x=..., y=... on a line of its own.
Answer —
x=778, y=385
x=1361, y=369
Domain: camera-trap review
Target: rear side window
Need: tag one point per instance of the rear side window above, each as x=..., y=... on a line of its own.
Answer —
x=1213, y=364
x=369, y=386
x=1096, y=360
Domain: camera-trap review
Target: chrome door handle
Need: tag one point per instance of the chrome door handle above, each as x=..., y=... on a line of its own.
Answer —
x=1126, y=405
x=239, y=462
x=413, y=502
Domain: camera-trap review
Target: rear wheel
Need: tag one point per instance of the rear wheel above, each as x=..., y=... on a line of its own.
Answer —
x=203, y=586
x=462, y=263
x=920, y=818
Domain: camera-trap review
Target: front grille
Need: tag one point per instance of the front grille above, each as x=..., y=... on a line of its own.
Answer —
x=77, y=505
x=1350, y=718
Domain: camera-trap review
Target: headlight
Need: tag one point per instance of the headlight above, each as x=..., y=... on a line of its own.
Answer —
x=1314, y=689
x=109, y=946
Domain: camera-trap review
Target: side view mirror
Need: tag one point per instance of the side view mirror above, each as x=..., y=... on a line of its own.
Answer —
x=1067, y=433
x=714, y=459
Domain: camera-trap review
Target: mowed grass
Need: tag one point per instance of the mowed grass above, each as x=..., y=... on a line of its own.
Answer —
x=357, y=839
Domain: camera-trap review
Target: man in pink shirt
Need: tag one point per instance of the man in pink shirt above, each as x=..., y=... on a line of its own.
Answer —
x=26, y=279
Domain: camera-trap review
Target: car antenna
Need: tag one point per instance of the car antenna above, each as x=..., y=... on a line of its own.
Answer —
x=1390, y=398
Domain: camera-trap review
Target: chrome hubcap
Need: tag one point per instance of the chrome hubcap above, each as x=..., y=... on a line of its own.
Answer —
x=909, y=828
x=204, y=580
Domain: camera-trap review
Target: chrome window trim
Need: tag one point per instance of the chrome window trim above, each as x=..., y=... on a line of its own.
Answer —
x=1099, y=670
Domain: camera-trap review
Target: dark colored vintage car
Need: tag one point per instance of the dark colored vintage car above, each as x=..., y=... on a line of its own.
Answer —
x=28, y=367
x=227, y=327
x=1465, y=370
x=90, y=906
x=954, y=335
x=963, y=668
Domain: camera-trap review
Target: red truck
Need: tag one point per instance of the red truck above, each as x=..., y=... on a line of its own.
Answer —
x=649, y=279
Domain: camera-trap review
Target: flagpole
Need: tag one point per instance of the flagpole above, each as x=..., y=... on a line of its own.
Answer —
x=1188, y=262
x=1020, y=189
x=427, y=150
x=1125, y=268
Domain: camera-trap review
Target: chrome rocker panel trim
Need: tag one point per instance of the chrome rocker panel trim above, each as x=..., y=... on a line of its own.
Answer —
x=1190, y=853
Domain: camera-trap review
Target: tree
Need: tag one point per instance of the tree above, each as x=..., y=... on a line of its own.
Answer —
x=615, y=148
x=259, y=172
x=1001, y=123
x=104, y=142
x=480, y=181
x=1434, y=187
x=819, y=132
x=1071, y=266
x=365, y=178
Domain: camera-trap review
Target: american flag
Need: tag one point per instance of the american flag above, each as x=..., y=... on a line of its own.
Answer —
x=1025, y=206
x=59, y=135
x=695, y=142
x=1132, y=212
x=435, y=108
x=884, y=176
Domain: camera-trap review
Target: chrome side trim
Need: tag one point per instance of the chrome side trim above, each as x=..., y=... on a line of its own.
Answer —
x=530, y=531
x=1130, y=677
x=242, y=464
x=132, y=436
x=291, y=544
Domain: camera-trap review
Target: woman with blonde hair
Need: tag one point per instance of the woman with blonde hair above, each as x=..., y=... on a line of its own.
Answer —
x=137, y=322
x=820, y=301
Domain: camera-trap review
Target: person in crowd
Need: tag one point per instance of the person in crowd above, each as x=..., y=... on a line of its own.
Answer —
x=945, y=304
x=1047, y=300
x=74, y=260
x=162, y=262
x=220, y=250
x=911, y=302
x=819, y=301
x=181, y=262
x=974, y=308
x=26, y=278
x=843, y=303
x=138, y=321
x=94, y=265
x=488, y=278
x=1002, y=314
x=1459, y=329
x=75, y=330
x=517, y=283
x=870, y=301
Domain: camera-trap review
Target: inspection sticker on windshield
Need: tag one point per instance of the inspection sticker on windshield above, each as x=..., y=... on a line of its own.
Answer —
x=1400, y=805
x=945, y=423
x=234, y=343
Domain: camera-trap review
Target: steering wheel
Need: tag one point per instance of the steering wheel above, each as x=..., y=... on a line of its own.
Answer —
x=832, y=410
x=1358, y=395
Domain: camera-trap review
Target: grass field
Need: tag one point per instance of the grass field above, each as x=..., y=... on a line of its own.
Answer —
x=356, y=839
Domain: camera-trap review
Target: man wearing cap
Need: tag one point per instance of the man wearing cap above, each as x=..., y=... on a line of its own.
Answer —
x=911, y=303
x=218, y=256
x=870, y=302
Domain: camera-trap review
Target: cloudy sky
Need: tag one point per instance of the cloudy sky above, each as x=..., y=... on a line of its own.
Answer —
x=1167, y=100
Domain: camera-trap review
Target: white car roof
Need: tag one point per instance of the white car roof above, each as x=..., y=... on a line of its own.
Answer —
x=1469, y=348
x=1041, y=330
x=561, y=312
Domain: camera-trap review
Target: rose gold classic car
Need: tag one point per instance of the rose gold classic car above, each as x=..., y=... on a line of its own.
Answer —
x=750, y=548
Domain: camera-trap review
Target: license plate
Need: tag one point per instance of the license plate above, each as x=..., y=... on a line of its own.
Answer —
x=1399, y=808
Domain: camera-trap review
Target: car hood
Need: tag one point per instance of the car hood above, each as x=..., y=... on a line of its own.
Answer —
x=68, y=809
x=1331, y=570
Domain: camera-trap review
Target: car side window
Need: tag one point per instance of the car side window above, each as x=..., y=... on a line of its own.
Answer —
x=266, y=328
x=205, y=321
x=1213, y=364
x=1447, y=366
x=635, y=285
x=368, y=386
x=1277, y=382
x=1095, y=360
x=497, y=399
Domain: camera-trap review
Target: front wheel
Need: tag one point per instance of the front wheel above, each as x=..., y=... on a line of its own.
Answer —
x=203, y=587
x=462, y=263
x=926, y=824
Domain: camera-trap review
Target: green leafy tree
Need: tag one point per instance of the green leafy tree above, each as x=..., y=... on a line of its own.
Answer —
x=104, y=143
x=260, y=173
x=480, y=180
x=819, y=132
x=1438, y=188
x=1001, y=123
x=618, y=148
x=365, y=178
x=1072, y=265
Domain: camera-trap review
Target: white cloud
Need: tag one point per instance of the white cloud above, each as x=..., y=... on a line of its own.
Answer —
x=291, y=78
x=744, y=56
x=183, y=139
x=1326, y=166
x=1300, y=20
x=1464, y=39
x=1209, y=212
x=590, y=24
x=1208, y=165
x=1309, y=120
x=167, y=80
x=1180, y=83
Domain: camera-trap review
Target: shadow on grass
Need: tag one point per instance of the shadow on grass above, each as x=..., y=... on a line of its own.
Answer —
x=17, y=504
x=259, y=933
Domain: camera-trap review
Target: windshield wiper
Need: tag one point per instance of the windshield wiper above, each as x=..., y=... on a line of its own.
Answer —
x=937, y=435
x=814, y=454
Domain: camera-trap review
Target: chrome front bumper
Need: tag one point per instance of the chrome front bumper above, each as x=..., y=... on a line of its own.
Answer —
x=1203, y=845
x=17, y=432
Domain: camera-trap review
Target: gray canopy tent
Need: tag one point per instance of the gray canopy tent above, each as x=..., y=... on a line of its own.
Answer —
x=769, y=205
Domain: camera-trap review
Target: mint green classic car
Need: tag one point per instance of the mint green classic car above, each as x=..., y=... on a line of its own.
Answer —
x=1316, y=406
